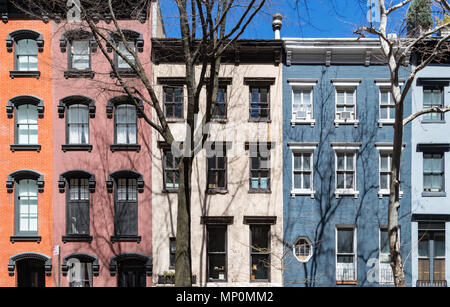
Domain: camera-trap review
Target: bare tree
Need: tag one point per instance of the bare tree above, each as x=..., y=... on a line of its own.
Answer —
x=396, y=51
x=208, y=28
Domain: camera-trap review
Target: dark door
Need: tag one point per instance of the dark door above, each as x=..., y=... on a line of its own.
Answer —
x=30, y=273
x=131, y=273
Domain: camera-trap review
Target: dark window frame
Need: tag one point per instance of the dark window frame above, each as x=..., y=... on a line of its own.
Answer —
x=217, y=169
x=260, y=253
x=259, y=170
x=225, y=253
x=17, y=231
x=430, y=235
x=16, y=124
x=173, y=102
x=127, y=105
x=260, y=105
x=132, y=37
x=172, y=252
x=442, y=173
x=214, y=110
x=174, y=170
x=425, y=118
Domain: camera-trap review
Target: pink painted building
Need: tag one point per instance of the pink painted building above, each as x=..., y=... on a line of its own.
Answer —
x=102, y=221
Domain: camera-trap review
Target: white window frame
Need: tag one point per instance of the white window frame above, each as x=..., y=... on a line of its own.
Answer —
x=303, y=85
x=385, y=149
x=343, y=84
x=310, y=249
x=385, y=85
x=303, y=148
x=351, y=148
x=355, y=252
x=381, y=265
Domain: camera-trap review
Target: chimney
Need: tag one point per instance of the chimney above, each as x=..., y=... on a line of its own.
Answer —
x=276, y=24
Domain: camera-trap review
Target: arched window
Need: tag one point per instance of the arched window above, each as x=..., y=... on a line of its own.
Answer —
x=27, y=110
x=81, y=44
x=81, y=268
x=27, y=44
x=135, y=42
x=27, y=184
x=31, y=269
x=79, y=186
x=79, y=109
x=126, y=185
x=125, y=123
x=131, y=269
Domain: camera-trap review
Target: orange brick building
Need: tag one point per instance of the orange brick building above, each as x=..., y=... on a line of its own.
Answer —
x=25, y=150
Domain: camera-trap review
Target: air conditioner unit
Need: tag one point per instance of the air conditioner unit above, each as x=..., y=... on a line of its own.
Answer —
x=301, y=114
x=345, y=115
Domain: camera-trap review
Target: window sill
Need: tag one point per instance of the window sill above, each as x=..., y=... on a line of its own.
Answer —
x=136, y=239
x=170, y=191
x=310, y=193
x=261, y=120
x=124, y=74
x=385, y=122
x=434, y=194
x=25, y=239
x=25, y=74
x=346, y=282
x=353, y=122
x=175, y=120
x=259, y=191
x=311, y=122
x=386, y=193
x=77, y=238
x=217, y=191
x=339, y=193
x=25, y=148
x=79, y=74
x=116, y=147
x=432, y=121
x=81, y=147
x=219, y=120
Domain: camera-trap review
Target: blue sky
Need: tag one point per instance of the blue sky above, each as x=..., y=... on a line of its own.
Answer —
x=321, y=18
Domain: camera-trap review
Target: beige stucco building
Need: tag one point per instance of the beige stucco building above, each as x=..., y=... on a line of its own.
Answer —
x=240, y=208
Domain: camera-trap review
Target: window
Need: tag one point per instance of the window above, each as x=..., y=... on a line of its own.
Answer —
x=121, y=62
x=385, y=171
x=131, y=274
x=260, y=252
x=219, y=111
x=303, y=171
x=385, y=274
x=26, y=207
x=433, y=172
x=387, y=106
x=80, y=55
x=171, y=173
x=126, y=207
x=259, y=103
x=172, y=252
x=217, y=169
x=217, y=252
x=302, y=105
x=346, y=171
x=80, y=273
x=78, y=124
x=433, y=97
x=126, y=185
x=126, y=125
x=346, y=104
x=303, y=249
x=26, y=55
x=431, y=240
x=173, y=102
x=345, y=255
x=26, y=124
x=78, y=207
x=259, y=168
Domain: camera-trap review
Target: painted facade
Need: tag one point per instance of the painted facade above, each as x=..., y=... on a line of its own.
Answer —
x=430, y=213
x=335, y=151
x=104, y=165
x=231, y=212
x=26, y=151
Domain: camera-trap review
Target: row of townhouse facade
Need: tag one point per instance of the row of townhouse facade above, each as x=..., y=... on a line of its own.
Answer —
x=291, y=188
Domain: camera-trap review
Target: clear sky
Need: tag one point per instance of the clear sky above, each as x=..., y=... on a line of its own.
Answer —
x=312, y=18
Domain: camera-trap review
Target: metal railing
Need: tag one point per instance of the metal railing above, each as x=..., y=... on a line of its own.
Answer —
x=434, y=283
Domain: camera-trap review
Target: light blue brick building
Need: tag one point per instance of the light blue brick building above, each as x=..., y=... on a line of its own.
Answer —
x=337, y=143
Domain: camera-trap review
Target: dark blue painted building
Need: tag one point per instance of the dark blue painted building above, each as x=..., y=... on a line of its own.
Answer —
x=337, y=143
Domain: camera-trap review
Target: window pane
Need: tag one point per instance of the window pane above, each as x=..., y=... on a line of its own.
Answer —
x=297, y=181
x=306, y=162
x=439, y=245
x=423, y=245
x=307, y=181
x=345, y=240
x=297, y=161
x=349, y=181
x=260, y=239
x=216, y=267
x=217, y=239
x=384, y=242
x=260, y=267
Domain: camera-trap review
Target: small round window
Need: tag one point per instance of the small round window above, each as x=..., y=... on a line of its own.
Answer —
x=303, y=249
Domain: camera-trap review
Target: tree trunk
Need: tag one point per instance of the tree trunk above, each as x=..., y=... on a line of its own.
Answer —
x=183, y=261
x=394, y=201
